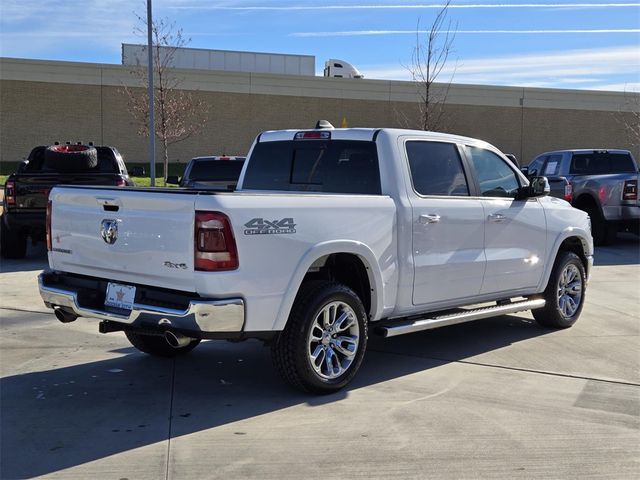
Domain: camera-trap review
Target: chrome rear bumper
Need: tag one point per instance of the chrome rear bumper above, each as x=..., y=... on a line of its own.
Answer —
x=201, y=315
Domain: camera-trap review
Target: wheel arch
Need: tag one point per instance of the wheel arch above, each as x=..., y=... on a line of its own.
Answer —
x=336, y=255
x=586, y=200
x=571, y=240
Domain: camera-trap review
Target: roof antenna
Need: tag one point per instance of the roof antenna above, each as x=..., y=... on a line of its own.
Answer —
x=324, y=125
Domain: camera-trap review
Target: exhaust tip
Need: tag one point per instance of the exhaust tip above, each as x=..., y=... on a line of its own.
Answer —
x=64, y=316
x=176, y=340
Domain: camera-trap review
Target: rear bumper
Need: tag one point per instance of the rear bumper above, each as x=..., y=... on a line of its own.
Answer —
x=202, y=318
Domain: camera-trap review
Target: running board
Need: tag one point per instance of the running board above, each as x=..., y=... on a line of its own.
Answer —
x=428, y=323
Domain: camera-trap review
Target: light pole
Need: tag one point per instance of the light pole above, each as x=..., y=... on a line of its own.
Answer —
x=152, y=129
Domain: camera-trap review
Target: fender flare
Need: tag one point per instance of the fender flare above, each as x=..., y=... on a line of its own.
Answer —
x=569, y=232
x=362, y=251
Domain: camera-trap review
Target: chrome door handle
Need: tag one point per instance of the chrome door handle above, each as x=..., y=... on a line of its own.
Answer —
x=431, y=218
x=496, y=217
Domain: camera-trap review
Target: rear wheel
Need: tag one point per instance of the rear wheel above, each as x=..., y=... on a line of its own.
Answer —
x=323, y=344
x=13, y=243
x=603, y=232
x=564, y=294
x=157, y=346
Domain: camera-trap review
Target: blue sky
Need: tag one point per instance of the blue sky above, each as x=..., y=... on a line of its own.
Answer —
x=552, y=43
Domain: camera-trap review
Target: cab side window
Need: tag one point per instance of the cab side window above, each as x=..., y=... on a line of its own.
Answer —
x=436, y=169
x=535, y=167
x=495, y=177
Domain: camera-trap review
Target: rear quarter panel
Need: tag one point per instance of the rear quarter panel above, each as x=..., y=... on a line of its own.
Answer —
x=273, y=261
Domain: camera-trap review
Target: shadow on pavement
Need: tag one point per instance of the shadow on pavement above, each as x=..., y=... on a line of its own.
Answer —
x=36, y=259
x=624, y=251
x=64, y=417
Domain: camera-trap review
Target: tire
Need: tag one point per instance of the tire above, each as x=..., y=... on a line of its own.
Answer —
x=157, y=346
x=603, y=233
x=71, y=158
x=301, y=351
x=557, y=313
x=12, y=243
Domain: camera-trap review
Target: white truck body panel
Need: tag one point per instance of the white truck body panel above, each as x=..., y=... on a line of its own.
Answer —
x=324, y=223
x=153, y=228
x=412, y=267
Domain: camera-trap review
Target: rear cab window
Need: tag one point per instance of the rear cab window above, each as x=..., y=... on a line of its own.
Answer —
x=600, y=163
x=216, y=170
x=329, y=166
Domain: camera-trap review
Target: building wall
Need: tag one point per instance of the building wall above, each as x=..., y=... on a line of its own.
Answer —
x=43, y=101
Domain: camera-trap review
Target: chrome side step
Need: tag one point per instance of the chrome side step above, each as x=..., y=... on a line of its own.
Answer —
x=428, y=323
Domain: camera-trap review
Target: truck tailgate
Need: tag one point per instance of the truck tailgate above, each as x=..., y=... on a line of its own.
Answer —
x=126, y=235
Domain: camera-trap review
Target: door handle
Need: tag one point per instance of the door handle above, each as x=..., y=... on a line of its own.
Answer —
x=431, y=218
x=496, y=217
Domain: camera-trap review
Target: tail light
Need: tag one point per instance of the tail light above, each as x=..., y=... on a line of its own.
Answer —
x=630, y=190
x=313, y=135
x=214, y=243
x=568, y=192
x=49, y=242
x=10, y=193
x=121, y=182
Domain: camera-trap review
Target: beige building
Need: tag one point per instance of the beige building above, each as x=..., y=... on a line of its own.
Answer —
x=45, y=101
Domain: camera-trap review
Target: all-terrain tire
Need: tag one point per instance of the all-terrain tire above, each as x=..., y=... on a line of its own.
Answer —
x=157, y=346
x=565, y=293
x=291, y=351
x=71, y=158
x=13, y=244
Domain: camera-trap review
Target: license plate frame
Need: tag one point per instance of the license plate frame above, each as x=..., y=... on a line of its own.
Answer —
x=120, y=296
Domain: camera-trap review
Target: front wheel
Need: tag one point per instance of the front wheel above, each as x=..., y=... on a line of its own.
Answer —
x=564, y=294
x=322, y=347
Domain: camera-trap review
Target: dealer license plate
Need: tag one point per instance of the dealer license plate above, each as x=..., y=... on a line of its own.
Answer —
x=120, y=296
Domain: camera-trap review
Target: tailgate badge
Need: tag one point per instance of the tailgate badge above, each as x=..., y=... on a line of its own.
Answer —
x=109, y=231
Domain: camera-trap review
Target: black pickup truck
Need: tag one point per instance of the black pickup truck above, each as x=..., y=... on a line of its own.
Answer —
x=26, y=192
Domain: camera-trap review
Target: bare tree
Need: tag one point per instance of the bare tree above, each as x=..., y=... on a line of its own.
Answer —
x=629, y=117
x=178, y=114
x=430, y=56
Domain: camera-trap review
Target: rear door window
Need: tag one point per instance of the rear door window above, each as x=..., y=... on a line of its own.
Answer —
x=552, y=166
x=332, y=166
x=436, y=168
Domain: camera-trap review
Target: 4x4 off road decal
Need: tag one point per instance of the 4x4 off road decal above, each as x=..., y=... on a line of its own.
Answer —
x=260, y=226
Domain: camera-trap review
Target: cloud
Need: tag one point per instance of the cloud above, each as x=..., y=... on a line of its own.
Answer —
x=594, y=68
x=69, y=29
x=420, y=6
x=363, y=33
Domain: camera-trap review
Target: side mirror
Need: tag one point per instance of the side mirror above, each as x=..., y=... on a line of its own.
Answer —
x=538, y=187
x=22, y=166
x=173, y=179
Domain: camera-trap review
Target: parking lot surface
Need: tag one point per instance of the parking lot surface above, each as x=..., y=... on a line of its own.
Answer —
x=497, y=398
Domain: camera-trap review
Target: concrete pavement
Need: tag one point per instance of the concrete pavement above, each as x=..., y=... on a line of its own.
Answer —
x=498, y=398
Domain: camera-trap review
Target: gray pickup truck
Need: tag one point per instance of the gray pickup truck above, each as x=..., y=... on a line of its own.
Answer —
x=603, y=183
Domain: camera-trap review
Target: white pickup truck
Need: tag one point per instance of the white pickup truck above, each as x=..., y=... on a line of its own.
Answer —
x=331, y=234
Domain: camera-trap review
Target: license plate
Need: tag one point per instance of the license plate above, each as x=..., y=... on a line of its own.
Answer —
x=120, y=296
